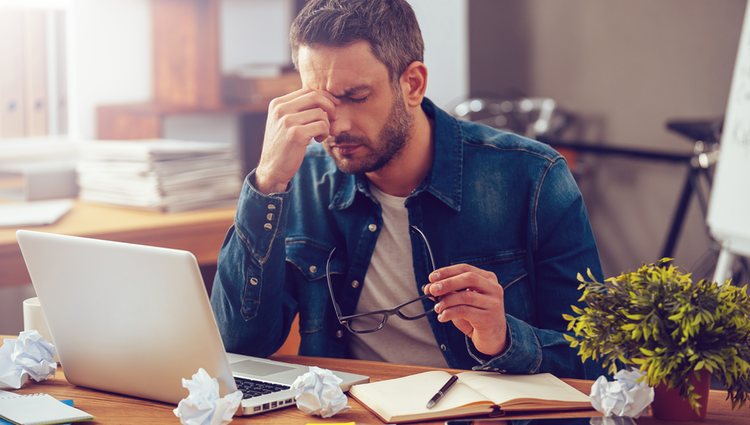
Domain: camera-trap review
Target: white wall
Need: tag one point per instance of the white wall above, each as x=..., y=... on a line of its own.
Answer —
x=446, y=38
x=255, y=31
x=110, y=58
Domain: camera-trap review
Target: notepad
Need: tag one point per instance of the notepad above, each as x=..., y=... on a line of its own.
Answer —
x=39, y=409
x=475, y=393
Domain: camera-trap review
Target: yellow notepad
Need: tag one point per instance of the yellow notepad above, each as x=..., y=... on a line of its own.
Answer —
x=475, y=393
x=39, y=409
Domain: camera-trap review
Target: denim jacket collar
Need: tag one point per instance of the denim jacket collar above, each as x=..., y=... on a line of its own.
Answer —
x=444, y=181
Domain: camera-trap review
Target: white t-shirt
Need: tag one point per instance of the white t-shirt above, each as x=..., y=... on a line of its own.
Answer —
x=389, y=282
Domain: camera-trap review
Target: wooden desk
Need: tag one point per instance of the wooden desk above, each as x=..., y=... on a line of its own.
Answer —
x=200, y=232
x=114, y=409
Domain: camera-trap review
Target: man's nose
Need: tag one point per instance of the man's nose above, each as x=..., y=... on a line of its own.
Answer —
x=342, y=123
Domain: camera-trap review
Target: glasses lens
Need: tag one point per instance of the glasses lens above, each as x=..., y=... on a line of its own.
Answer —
x=368, y=323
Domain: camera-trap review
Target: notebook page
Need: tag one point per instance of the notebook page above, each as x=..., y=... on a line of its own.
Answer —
x=408, y=396
x=503, y=388
x=39, y=409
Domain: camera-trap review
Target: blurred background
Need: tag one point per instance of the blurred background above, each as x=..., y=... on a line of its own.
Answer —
x=632, y=92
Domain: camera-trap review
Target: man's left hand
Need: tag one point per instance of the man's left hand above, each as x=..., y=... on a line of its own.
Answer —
x=472, y=299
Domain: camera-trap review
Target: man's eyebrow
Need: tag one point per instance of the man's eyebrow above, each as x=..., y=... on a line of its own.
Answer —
x=352, y=91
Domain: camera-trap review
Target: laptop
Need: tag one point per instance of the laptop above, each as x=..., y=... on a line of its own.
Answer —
x=135, y=320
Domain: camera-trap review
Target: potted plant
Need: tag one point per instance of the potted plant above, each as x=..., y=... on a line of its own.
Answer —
x=675, y=330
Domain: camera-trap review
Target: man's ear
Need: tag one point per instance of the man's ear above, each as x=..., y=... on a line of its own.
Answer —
x=414, y=83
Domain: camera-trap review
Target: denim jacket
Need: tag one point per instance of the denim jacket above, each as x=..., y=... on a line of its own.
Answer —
x=492, y=199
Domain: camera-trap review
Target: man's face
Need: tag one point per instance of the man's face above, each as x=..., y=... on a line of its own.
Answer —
x=372, y=123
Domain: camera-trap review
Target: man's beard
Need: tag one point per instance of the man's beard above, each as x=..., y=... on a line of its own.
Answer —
x=393, y=135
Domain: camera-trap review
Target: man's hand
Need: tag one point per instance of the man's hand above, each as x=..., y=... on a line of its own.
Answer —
x=293, y=120
x=472, y=299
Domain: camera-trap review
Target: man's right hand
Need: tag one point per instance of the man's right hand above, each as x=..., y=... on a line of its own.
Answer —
x=293, y=120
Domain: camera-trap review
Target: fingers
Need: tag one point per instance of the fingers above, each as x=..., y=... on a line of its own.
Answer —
x=302, y=126
x=467, y=298
x=462, y=277
x=303, y=100
x=463, y=326
x=471, y=315
x=457, y=269
x=293, y=120
x=472, y=299
x=314, y=130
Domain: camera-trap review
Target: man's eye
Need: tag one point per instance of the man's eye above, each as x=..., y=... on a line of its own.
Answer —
x=358, y=99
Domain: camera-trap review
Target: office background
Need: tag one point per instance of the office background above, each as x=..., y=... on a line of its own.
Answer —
x=624, y=67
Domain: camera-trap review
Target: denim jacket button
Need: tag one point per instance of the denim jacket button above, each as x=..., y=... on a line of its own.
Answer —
x=271, y=207
x=373, y=227
x=443, y=347
x=339, y=334
x=268, y=226
x=313, y=269
x=269, y=216
x=355, y=284
x=253, y=281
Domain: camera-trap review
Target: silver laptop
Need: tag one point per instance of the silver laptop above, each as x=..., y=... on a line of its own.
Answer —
x=135, y=320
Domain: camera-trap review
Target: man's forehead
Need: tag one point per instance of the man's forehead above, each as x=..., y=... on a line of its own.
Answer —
x=340, y=69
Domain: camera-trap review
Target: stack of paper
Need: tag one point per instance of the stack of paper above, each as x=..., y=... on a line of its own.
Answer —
x=169, y=175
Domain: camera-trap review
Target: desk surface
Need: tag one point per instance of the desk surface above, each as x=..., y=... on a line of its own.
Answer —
x=200, y=232
x=110, y=408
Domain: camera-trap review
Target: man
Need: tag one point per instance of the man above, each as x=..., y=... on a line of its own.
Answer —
x=367, y=196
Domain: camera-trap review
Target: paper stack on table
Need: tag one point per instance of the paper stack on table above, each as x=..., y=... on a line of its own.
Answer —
x=168, y=175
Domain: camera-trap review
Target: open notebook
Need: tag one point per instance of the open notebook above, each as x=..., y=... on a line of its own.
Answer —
x=475, y=393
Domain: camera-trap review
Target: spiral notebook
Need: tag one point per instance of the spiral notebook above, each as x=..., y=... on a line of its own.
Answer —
x=39, y=409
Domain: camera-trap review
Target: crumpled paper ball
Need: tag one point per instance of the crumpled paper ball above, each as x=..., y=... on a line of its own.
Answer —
x=29, y=356
x=318, y=392
x=203, y=406
x=625, y=396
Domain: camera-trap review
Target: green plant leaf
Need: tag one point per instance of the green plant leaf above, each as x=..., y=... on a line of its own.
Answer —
x=657, y=318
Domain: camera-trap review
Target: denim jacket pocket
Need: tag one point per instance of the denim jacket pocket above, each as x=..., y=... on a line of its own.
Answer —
x=309, y=258
x=510, y=269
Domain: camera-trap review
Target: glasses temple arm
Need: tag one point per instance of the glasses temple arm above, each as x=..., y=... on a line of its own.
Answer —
x=427, y=244
x=330, y=285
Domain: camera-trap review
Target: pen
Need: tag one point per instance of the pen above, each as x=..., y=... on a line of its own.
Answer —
x=441, y=392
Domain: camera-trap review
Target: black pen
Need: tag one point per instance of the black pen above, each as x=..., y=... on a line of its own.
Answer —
x=441, y=392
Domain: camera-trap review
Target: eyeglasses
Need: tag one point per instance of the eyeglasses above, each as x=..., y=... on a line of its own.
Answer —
x=374, y=321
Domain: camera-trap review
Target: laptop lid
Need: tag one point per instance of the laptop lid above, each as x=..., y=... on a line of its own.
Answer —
x=125, y=318
x=136, y=319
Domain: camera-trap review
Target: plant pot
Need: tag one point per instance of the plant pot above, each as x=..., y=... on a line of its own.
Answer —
x=668, y=405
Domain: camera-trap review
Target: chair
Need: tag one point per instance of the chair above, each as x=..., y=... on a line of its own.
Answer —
x=533, y=117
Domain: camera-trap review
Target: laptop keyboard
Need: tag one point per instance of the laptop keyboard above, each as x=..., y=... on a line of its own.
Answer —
x=252, y=388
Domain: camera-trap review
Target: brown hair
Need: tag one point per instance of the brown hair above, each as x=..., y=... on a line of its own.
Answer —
x=388, y=25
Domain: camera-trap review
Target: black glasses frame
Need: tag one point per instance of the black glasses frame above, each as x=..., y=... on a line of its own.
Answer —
x=384, y=314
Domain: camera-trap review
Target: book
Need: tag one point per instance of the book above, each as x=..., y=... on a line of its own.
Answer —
x=475, y=393
x=39, y=409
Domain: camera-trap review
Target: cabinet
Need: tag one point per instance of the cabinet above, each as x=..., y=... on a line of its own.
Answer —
x=187, y=79
x=32, y=75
